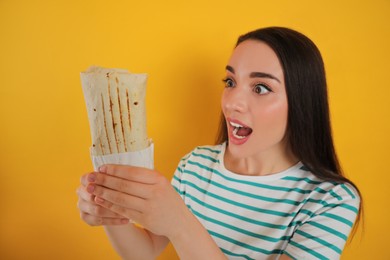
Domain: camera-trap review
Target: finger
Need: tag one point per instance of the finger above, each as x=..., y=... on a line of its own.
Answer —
x=116, y=197
x=130, y=187
x=84, y=181
x=132, y=215
x=96, y=210
x=84, y=194
x=131, y=173
x=98, y=221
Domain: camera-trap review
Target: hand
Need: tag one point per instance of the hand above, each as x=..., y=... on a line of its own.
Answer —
x=92, y=213
x=142, y=195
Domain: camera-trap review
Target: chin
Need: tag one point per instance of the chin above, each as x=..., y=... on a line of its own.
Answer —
x=238, y=151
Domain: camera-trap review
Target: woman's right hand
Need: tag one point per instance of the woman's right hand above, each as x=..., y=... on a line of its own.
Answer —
x=92, y=213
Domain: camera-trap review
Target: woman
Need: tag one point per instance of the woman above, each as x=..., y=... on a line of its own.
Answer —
x=271, y=189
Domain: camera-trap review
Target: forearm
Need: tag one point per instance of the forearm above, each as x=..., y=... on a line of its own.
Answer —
x=132, y=242
x=194, y=242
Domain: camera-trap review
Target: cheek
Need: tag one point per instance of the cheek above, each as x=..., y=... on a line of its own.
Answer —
x=272, y=120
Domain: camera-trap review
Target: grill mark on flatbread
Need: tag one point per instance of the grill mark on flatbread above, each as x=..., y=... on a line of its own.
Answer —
x=112, y=114
x=128, y=107
x=105, y=129
x=105, y=125
x=101, y=147
x=120, y=115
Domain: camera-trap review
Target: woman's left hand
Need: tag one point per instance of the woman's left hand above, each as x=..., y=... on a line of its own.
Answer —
x=142, y=195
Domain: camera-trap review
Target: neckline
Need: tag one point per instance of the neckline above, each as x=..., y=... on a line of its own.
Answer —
x=270, y=177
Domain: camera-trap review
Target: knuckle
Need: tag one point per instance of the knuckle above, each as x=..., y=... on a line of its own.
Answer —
x=80, y=192
x=101, y=179
x=120, y=210
x=81, y=205
x=108, y=205
x=118, y=199
x=87, y=208
x=98, y=191
x=85, y=217
x=123, y=185
x=97, y=210
x=91, y=198
x=161, y=180
x=83, y=179
x=91, y=220
x=154, y=175
x=104, y=178
x=83, y=194
x=111, y=169
x=96, y=221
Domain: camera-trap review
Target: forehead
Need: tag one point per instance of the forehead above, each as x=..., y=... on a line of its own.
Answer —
x=252, y=55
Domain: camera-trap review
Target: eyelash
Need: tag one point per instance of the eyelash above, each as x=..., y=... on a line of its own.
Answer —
x=261, y=85
x=226, y=81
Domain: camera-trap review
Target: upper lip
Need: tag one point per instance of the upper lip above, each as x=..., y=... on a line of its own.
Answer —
x=236, y=123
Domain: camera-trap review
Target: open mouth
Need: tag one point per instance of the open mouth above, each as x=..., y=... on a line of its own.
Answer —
x=240, y=131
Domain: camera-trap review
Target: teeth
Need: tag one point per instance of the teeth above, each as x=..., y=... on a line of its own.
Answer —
x=235, y=130
x=235, y=134
x=235, y=124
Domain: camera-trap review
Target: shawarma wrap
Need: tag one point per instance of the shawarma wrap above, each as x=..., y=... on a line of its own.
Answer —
x=115, y=102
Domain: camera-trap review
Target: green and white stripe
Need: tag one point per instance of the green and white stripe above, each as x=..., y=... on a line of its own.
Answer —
x=262, y=217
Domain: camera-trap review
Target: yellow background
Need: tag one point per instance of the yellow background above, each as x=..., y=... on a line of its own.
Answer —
x=184, y=47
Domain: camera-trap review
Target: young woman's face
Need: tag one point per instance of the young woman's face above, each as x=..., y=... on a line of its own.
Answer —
x=254, y=101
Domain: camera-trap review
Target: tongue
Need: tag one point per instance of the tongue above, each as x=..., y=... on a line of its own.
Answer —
x=244, y=131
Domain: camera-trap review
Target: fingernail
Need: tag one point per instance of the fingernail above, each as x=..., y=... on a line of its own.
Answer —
x=90, y=188
x=124, y=221
x=91, y=177
x=99, y=200
x=102, y=169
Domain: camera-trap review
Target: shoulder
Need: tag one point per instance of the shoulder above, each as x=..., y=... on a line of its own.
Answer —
x=338, y=190
x=203, y=154
x=318, y=195
x=323, y=195
x=201, y=161
x=327, y=213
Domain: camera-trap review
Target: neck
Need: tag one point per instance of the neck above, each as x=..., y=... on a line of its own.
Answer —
x=261, y=164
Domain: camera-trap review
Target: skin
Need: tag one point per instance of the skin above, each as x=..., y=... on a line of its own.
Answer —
x=146, y=197
x=255, y=95
x=116, y=196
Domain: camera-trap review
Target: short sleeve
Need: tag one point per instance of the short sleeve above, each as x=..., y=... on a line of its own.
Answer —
x=177, y=177
x=324, y=234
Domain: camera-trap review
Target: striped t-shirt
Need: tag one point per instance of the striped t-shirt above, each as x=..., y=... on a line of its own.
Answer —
x=261, y=217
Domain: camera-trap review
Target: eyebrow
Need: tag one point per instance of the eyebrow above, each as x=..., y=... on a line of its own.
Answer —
x=256, y=74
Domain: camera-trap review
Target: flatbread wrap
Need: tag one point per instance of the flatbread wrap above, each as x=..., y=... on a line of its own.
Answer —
x=115, y=100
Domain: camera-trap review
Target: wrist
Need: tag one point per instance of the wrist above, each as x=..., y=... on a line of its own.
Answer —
x=182, y=226
x=191, y=240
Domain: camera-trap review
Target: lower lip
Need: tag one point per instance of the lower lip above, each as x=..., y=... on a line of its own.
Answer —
x=236, y=141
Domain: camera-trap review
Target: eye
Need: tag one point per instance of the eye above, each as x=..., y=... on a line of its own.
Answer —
x=229, y=83
x=261, y=89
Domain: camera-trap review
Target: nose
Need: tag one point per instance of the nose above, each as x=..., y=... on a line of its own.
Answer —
x=233, y=99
